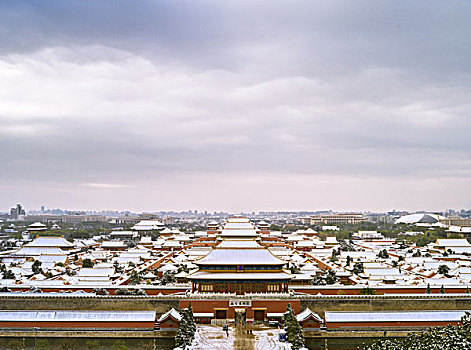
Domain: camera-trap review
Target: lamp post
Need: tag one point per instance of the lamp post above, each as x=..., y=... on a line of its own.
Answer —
x=35, y=334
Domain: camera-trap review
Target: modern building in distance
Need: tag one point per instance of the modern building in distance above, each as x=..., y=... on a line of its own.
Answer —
x=17, y=212
x=69, y=219
x=337, y=219
x=457, y=221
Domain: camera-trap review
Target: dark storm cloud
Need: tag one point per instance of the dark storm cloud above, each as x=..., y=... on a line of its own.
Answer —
x=116, y=93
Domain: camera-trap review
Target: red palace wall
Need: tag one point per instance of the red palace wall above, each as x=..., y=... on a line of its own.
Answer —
x=278, y=306
x=380, y=291
x=357, y=325
x=169, y=324
x=76, y=324
x=310, y=324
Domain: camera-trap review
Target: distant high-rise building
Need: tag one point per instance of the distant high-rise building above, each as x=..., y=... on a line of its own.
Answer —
x=16, y=212
x=336, y=219
x=42, y=208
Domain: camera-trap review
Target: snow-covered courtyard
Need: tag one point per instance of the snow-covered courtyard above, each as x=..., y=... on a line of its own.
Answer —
x=214, y=338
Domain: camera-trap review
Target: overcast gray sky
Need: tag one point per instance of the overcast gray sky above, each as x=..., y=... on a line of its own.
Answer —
x=235, y=105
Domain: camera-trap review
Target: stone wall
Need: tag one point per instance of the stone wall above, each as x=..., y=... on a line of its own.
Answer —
x=123, y=303
x=318, y=304
x=390, y=303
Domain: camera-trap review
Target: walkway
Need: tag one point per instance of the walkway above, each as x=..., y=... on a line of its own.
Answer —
x=213, y=338
x=262, y=338
x=267, y=339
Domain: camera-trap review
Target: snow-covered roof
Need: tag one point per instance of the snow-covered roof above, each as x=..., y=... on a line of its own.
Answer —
x=37, y=226
x=123, y=233
x=202, y=275
x=96, y=272
x=305, y=243
x=40, y=241
x=171, y=243
x=146, y=239
x=393, y=316
x=307, y=313
x=450, y=243
x=239, y=233
x=234, y=243
x=52, y=258
x=259, y=256
x=148, y=225
x=171, y=313
x=35, y=251
x=113, y=244
x=168, y=267
x=75, y=316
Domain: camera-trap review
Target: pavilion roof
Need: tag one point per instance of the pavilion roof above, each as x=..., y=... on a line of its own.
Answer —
x=203, y=275
x=257, y=256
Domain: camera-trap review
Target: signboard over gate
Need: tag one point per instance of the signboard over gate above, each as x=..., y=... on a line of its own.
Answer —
x=236, y=303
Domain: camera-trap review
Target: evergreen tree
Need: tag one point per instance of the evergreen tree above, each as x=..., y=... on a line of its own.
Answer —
x=437, y=338
x=417, y=254
x=134, y=278
x=8, y=275
x=36, y=268
x=358, y=268
x=92, y=344
x=186, y=329
x=117, y=267
x=87, y=263
x=331, y=277
x=168, y=278
x=318, y=280
x=443, y=270
x=191, y=318
x=383, y=254
x=42, y=344
x=288, y=317
x=294, y=332
x=120, y=345
x=295, y=269
x=428, y=290
x=442, y=289
x=368, y=291
x=181, y=339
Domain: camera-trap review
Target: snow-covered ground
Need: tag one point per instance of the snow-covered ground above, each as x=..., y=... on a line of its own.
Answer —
x=267, y=339
x=214, y=338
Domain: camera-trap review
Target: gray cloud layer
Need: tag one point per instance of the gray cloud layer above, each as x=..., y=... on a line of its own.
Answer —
x=302, y=105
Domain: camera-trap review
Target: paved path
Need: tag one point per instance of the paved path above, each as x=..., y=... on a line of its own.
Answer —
x=214, y=338
x=267, y=339
x=262, y=338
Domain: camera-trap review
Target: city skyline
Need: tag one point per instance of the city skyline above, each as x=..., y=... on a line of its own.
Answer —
x=235, y=106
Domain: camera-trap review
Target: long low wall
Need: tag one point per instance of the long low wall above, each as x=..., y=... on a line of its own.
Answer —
x=104, y=303
x=150, y=290
x=84, y=334
x=162, y=304
x=380, y=290
x=320, y=304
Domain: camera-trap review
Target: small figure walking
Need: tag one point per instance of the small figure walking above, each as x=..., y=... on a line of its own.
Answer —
x=225, y=328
